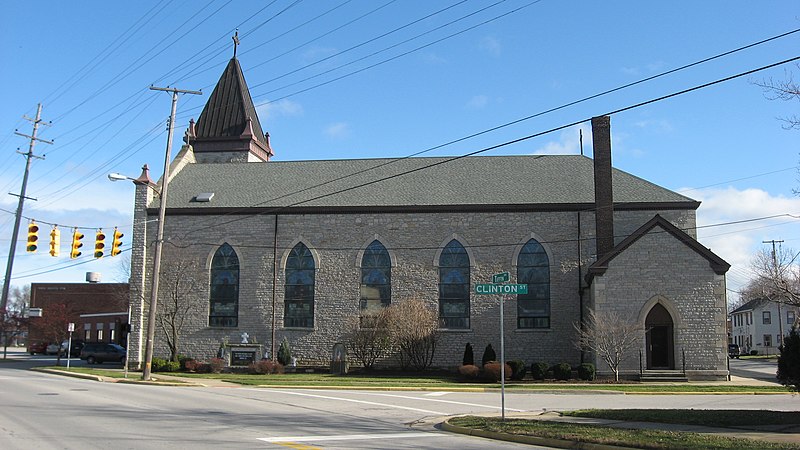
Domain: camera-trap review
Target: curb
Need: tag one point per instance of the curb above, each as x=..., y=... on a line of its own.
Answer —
x=65, y=373
x=530, y=440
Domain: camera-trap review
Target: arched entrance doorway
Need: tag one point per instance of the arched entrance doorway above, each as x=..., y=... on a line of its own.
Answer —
x=659, y=338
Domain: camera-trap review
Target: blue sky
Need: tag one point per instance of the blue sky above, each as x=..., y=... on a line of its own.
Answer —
x=391, y=78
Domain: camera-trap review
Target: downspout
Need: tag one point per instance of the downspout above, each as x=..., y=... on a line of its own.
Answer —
x=272, y=351
x=580, y=264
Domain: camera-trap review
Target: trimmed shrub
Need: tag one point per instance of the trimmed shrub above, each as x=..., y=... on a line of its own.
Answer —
x=216, y=365
x=469, y=371
x=491, y=371
x=586, y=371
x=265, y=367
x=789, y=361
x=488, y=355
x=164, y=365
x=539, y=370
x=753, y=352
x=469, y=356
x=284, y=352
x=562, y=371
x=518, y=368
x=190, y=365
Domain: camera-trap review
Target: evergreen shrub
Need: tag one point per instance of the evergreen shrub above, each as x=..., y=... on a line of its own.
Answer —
x=562, y=371
x=488, y=355
x=539, y=370
x=586, y=371
x=518, y=368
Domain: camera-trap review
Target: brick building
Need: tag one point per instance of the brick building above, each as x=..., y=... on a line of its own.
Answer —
x=297, y=249
x=98, y=310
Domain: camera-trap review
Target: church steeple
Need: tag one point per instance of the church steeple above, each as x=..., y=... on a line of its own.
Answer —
x=228, y=129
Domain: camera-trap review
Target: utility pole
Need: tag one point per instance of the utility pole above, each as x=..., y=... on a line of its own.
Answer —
x=151, y=317
x=15, y=232
x=775, y=265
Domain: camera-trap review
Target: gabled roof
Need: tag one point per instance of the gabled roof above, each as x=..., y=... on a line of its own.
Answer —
x=718, y=265
x=478, y=183
x=229, y=114
x=751, y=305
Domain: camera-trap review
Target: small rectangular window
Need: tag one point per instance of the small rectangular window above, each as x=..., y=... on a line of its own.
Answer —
x=766, y=318
x=790, y=317
x=767, y=340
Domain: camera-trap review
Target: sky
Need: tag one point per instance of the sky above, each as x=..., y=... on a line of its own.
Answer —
x=391, y=78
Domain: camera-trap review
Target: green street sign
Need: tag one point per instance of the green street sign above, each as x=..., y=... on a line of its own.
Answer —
x=503, y=277
x=495, y=289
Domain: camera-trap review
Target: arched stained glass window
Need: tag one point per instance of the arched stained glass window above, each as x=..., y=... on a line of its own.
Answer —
x=224, y=301
x=376, y=280
x=533, y=269
x=299, y=288
x=454, y=286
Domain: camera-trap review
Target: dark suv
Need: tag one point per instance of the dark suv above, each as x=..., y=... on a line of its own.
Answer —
x=733, y=351
x=99, y=352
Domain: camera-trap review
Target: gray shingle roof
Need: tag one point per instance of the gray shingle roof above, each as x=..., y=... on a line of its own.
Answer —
x=543, y=181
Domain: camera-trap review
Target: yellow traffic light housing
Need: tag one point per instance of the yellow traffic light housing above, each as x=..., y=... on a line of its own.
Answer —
x=55, y=241
x=33, y=237
x=99, y=243
x=116, y=243
x=76, y=244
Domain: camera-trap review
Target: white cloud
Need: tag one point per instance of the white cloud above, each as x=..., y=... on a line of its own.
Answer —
x=569, y=142
x=339, y=130
x=478, y=102
x=434, y=58
x=491, y=45
x=659, y=125
x=285, y=107
x=736, y=243
x=315, y=54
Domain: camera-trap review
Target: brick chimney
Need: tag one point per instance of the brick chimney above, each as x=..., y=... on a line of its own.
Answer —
x=603, y=194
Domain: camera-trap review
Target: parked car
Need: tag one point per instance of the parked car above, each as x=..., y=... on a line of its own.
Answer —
x=99, y=352
x=74, y=349
x=37, y=347
x=53, y=349
x=733, y=351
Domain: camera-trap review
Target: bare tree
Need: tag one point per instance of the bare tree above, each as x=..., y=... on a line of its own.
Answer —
x=413, y=328
x=53, y=324
x=786, y=90
x=778, y=275
x=13, y=322
x=610, y=336
x=369, y=339
x=179, y=281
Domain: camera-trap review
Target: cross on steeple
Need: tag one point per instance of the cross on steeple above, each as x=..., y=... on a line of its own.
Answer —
x=235, y=42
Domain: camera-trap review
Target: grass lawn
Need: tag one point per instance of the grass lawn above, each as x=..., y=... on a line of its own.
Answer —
x=434, y=380
x=716, y=418
x=651, y=439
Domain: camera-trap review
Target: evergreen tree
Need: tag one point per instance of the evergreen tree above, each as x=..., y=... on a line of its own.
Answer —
x=284, y=353
x=789, y=361
x=469, y=356
x=488, y=355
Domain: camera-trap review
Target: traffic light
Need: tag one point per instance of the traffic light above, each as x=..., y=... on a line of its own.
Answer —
x=99, y=243
x=76, y=244
x=116, y=243
x=55, y=241
x=33, y=237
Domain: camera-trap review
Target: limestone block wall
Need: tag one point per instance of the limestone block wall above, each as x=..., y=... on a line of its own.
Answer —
x=659, y=269
x=492, y=241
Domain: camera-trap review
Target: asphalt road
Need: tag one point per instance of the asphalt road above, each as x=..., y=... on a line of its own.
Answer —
x=47, y=412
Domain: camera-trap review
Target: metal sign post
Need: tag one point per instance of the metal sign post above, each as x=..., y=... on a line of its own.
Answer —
x=70, y=328
x=495, y=288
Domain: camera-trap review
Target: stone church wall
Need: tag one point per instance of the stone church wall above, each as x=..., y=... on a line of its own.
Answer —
x=414, y=240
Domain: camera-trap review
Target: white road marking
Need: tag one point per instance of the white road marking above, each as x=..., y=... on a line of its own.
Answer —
x=386, y=405
x=439, y=401
x=436, y=394
x=349, y=437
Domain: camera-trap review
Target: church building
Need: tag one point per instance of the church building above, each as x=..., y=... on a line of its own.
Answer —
x=299, y=249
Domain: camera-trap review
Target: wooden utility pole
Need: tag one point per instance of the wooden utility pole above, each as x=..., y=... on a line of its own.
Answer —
x=15, y=231
x=151, y=317
x=775, y=264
